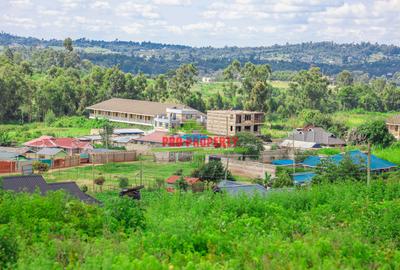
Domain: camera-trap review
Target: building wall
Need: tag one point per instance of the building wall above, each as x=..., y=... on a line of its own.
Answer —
x=230, y=123
x=394, y=130
x=123, y=117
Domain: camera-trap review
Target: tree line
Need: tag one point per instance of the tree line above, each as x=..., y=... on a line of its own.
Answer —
x=61, y=82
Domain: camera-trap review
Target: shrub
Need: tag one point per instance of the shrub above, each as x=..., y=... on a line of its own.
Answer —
x=49, y=118
x=84, y=188
x=213, y=171
x=40, y=166
x=8, y=247
x=123, y=182
x=100, y=180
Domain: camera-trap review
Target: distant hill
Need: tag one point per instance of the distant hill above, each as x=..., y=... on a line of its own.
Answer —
x=156, y=58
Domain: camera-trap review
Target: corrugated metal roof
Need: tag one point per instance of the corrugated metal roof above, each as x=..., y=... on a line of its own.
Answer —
x=237, y=188
x=317, y=135
x=282, y=162
x=126, y=131
x=299, y=144
x=300, y=178
x=9, y=156
x=133, y=106
x=31, y=183
x=50, y=151
x=356, y=156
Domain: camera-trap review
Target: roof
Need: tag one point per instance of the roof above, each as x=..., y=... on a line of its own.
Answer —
x=90, y=138
x=395, y=119
x=357, y=157
x=155, y=137
x=300, y=178
x=127, y=131
x=134, y=106
x=282, y=162
x=50, y=151
x=26, y=183
x=19, y=150
x=299, y=144
x=31, y=183
x=232, y=111
x=51, y=142
x=73, y=189
x=124, y=139
x=101, y=150
x=190, y=180
x=236, y=188
x=317, y=135
x=9, y=156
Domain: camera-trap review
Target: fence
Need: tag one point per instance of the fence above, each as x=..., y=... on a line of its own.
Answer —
x=172, y=156
x=16, y=166
x=117, y=156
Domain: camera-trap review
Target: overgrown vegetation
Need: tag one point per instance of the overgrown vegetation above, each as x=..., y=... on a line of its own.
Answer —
x=329, y=226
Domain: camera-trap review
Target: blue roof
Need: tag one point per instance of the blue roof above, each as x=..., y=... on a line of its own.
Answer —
x=312, y=161
x=282, y=162
x=357, y=157
x=236, y=188
x=194, y=137
x=304, y=177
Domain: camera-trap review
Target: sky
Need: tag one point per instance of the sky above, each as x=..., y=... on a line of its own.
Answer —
x=204, y=22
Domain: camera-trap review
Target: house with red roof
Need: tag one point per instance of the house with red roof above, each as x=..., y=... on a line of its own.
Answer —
x=69, y=145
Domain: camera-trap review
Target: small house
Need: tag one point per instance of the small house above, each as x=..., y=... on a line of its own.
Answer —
x=316, y=135
x=51, y=153
x=393, y=125
x=172, y=181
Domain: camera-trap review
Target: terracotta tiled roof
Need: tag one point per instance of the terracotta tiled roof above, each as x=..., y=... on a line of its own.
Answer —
x=51, y=142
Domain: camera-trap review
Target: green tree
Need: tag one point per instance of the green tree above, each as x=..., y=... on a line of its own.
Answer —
x=68, y=44
x=182, y=81
x=249, y=145
x=106, y=132
x=374, y=132
x=344, y=78
x=49, y=118
x=213, y=171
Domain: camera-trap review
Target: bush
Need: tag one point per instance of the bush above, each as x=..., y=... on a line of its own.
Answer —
x=40, y=166
x=123, y=182
x=84, y=188
x=8, y=247
x=213, y=171
x=100, y=180
x=49, y=118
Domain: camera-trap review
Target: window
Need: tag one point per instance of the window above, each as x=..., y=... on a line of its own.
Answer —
x=247, y=117
x=238, y=129
x=231, y=128
x=396, y=128
x=255, y=128
x=238, y=119
x=247, y=128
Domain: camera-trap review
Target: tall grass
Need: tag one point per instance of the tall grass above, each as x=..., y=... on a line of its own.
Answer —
x=337, y=226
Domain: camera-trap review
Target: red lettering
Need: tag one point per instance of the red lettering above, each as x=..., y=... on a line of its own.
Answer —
x=171, y=141
x=164, y=141
x=216, y=142
x=203, y=142
x=209, y=141
x=188, y=142
x=235, y=139
x=196, y=143
x=178, y=142
x=222, y=142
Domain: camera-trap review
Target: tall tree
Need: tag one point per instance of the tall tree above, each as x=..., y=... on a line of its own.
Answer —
x=68, y=44
x=182, y=81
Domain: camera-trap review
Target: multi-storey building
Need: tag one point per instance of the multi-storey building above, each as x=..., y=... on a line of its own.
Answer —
x=230, y=122
x=148, y=113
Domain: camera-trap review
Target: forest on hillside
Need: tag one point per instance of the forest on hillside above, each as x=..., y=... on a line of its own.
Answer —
x=154, y=58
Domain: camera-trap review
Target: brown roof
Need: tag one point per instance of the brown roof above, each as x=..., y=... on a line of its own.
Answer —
x=154, y=137
x=395, y=119
x=134, y=106
x=233, y=112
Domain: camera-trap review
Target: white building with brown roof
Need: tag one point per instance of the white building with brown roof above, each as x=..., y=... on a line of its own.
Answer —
x=393, y=125
x=148, y=113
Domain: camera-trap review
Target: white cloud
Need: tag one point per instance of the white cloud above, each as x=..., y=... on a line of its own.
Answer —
x=20, y=3
x=131, y=9
x=133, y=29
x=100, y=5
x=172, y=2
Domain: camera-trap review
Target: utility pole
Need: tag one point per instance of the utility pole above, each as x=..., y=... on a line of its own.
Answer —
x=226, y=169
x=369, y=164
x=141, y=169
